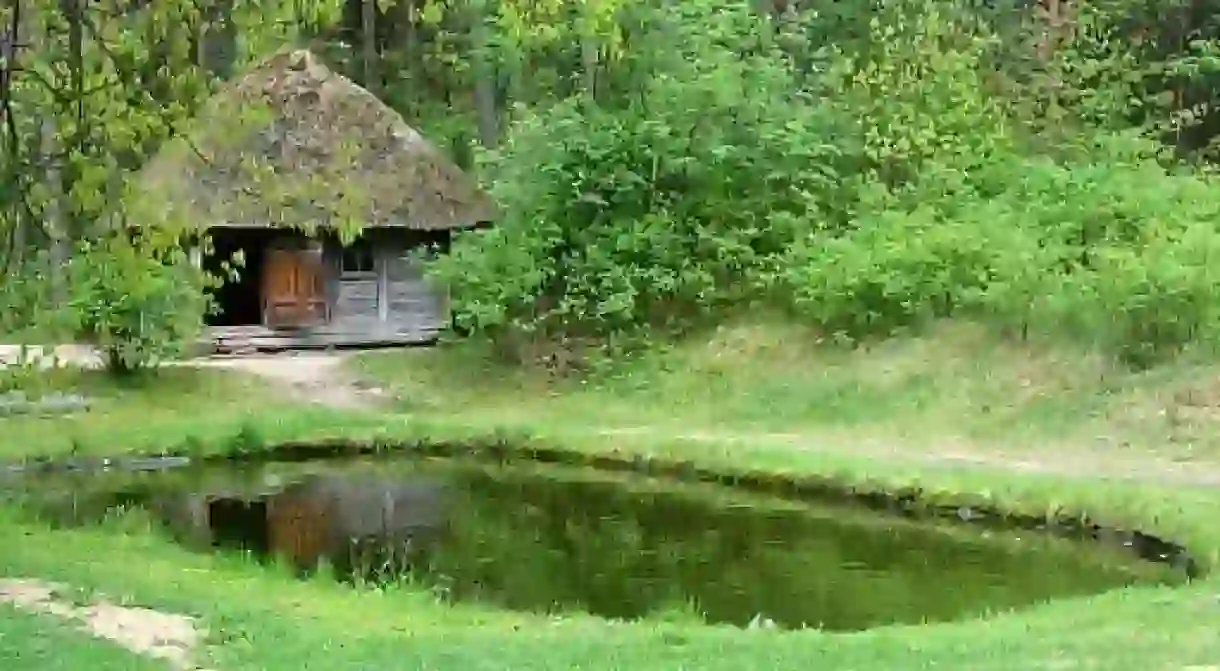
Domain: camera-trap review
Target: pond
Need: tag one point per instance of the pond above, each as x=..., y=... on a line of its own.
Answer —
x=554, y=539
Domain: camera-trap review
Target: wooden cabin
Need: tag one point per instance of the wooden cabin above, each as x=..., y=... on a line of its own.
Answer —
x=297, y=290
x=276, y=159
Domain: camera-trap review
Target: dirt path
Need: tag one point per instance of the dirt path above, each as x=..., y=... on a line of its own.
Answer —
x=315, y=377
x=312, y=377
x=1088, y=464
x=173, y=638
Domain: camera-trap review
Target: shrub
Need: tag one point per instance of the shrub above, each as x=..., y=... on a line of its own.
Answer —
x=657, y=212
x=886, y=185
x=137, y=298
x=1113, y=254
x=1148, y=302
x=899, y=270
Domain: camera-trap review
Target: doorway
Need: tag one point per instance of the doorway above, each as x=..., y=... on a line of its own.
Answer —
x=239, y=524
x=293, y=285
x=237, y=300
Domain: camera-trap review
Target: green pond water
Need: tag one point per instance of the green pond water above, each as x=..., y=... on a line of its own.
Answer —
x=556, y=539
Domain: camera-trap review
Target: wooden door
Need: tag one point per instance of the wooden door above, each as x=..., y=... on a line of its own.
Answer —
x=294, y=295
x=298, y=527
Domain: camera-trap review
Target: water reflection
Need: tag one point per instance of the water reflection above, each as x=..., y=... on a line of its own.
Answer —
x=553, y=538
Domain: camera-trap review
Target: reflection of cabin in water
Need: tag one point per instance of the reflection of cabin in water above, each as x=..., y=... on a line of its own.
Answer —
x=273, y=522
x=344, y=520
x=293, y=147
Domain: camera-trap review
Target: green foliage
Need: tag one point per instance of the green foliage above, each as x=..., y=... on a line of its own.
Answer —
x=99, y=91
x=656, y=212
x=1113, y=253
x=871, y=167
x=898, y=270
x=914, y=180
x=139, y=300
x=919, y=92
x=1133, y=246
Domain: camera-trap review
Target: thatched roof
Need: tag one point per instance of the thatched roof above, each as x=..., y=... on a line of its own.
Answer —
x=293, y=143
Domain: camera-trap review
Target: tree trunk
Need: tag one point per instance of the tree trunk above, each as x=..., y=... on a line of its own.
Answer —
x=411, y=51
x=484, y=78
x=589, y=53
x=218, y=40
x=368, y=44
x=54, y=214
x=12, y=32
x=588, y=65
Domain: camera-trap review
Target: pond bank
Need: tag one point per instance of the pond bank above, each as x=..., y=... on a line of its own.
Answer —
x=912, y=501
x=263, y=619
x=552, y=539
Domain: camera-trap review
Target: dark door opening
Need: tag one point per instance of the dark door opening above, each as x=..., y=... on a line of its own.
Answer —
x=238, y=301
x=239, y=524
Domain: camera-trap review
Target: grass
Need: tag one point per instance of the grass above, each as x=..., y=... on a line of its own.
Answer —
x=954, y=387
x=31, y=642
x=263, y=619
x=175, y=408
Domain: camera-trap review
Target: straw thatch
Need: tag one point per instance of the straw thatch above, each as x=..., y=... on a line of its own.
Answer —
x=292, y=143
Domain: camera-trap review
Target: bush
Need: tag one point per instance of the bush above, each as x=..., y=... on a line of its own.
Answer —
x=888, y=185
x=137, y=298
x=657, y=212
x=899, y=270
x=1148, y=303
x=1115, y=255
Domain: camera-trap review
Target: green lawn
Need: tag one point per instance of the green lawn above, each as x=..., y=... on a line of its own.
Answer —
x=931, y=390
x=956, y=390
x=173, y=408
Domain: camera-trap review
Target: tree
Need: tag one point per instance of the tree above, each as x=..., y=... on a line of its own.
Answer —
x=101, y=87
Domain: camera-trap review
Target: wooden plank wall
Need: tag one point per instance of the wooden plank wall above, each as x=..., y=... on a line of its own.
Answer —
x=393, y=300
x=413, y=306
x=356, y=304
